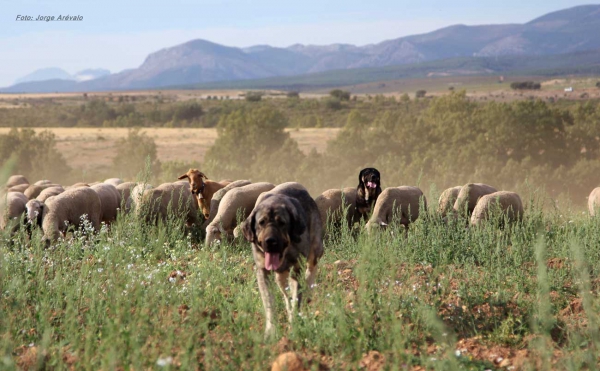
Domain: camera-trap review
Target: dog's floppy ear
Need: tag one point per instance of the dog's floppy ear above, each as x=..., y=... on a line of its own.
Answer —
x=183, y=176
x=360, y=176
x=248, y=227
x=297, y=220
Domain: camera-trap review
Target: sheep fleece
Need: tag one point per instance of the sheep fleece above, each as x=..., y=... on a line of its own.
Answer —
x=509, y=202
x=238, y=198
x=70, y=206
x=218, y=196
x=402, y=201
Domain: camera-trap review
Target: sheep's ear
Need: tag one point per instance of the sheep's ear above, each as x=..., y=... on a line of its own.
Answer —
x=183, y=176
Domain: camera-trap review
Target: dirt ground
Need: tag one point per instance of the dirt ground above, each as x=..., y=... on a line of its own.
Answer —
x=85, y=148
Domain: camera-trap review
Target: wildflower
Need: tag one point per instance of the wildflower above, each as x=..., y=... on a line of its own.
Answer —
x=162, y=362
x=100, y=270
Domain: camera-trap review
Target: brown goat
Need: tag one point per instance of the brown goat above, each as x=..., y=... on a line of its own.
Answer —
x=202, y=188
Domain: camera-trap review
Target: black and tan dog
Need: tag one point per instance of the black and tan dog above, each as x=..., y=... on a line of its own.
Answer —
x=284, y=227
x=369, y=188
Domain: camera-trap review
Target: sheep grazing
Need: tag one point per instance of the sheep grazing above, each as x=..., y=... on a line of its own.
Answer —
x=168, y=199
x=124, y=190
x=447, y=200
x=594, y=201
x=507, y=203
x=240, y=199
x=16, y=180
x=218, y=196
x=333, y=202
x=136, y=194
x=34, y=210
x=18, y=188
x=400, y=202
x=110, y=200
x=469, y=195
x=60, y=212
x=34, y=190
x=79, y=184
x=12, y=206
x=202, y=188
x=114, y=181
x=43, y=182
x=49, y=192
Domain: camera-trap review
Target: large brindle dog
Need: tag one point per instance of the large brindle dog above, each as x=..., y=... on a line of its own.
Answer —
x=369, y=188
x=284, y=226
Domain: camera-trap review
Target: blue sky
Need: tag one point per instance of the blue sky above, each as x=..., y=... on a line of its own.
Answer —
x=119, y=34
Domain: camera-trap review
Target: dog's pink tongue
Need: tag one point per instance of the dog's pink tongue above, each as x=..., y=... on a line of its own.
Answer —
x=272, y=261
x=371, y=185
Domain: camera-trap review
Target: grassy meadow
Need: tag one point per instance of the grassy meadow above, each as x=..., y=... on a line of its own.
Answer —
x=441, y=297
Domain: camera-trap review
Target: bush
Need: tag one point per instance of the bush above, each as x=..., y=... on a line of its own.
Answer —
x=253, y=96
x=35, y=155
x=333, y=103
x=293, y=94
x=420, y=93
x=187, y=111
x=340, y=94
x=133, y=153
x=525, y=85
x=252, y=144
x=598, y=84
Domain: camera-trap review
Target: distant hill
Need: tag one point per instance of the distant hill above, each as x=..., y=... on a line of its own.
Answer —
x=199, y=61
x=90, y=74
x=52, y=73
x=580, y=63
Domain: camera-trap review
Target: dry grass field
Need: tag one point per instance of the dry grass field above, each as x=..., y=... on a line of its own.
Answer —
x=477, y=88
x=87, y=148
x=481, y=87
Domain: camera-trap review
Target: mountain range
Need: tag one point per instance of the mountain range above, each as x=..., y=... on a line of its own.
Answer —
x=199, y=61
x=54, y=73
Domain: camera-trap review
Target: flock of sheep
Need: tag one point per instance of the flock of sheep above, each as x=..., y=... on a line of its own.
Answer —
x=54, y=208
x=282, y=223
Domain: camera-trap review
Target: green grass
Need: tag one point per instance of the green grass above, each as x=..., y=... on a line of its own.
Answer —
x=107, y=301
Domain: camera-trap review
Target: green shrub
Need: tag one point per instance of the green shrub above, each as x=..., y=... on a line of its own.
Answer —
x=333, y=104
x=35, y=154
x=340, y=94
x=525, y=85
x=420, y=93
x=253, y=96
x=293, y=94
x=132, y=154
x=252, y=143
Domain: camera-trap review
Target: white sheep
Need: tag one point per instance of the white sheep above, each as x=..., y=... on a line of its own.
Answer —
x=401, y=202
x=240, y=199
x=12, y=206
